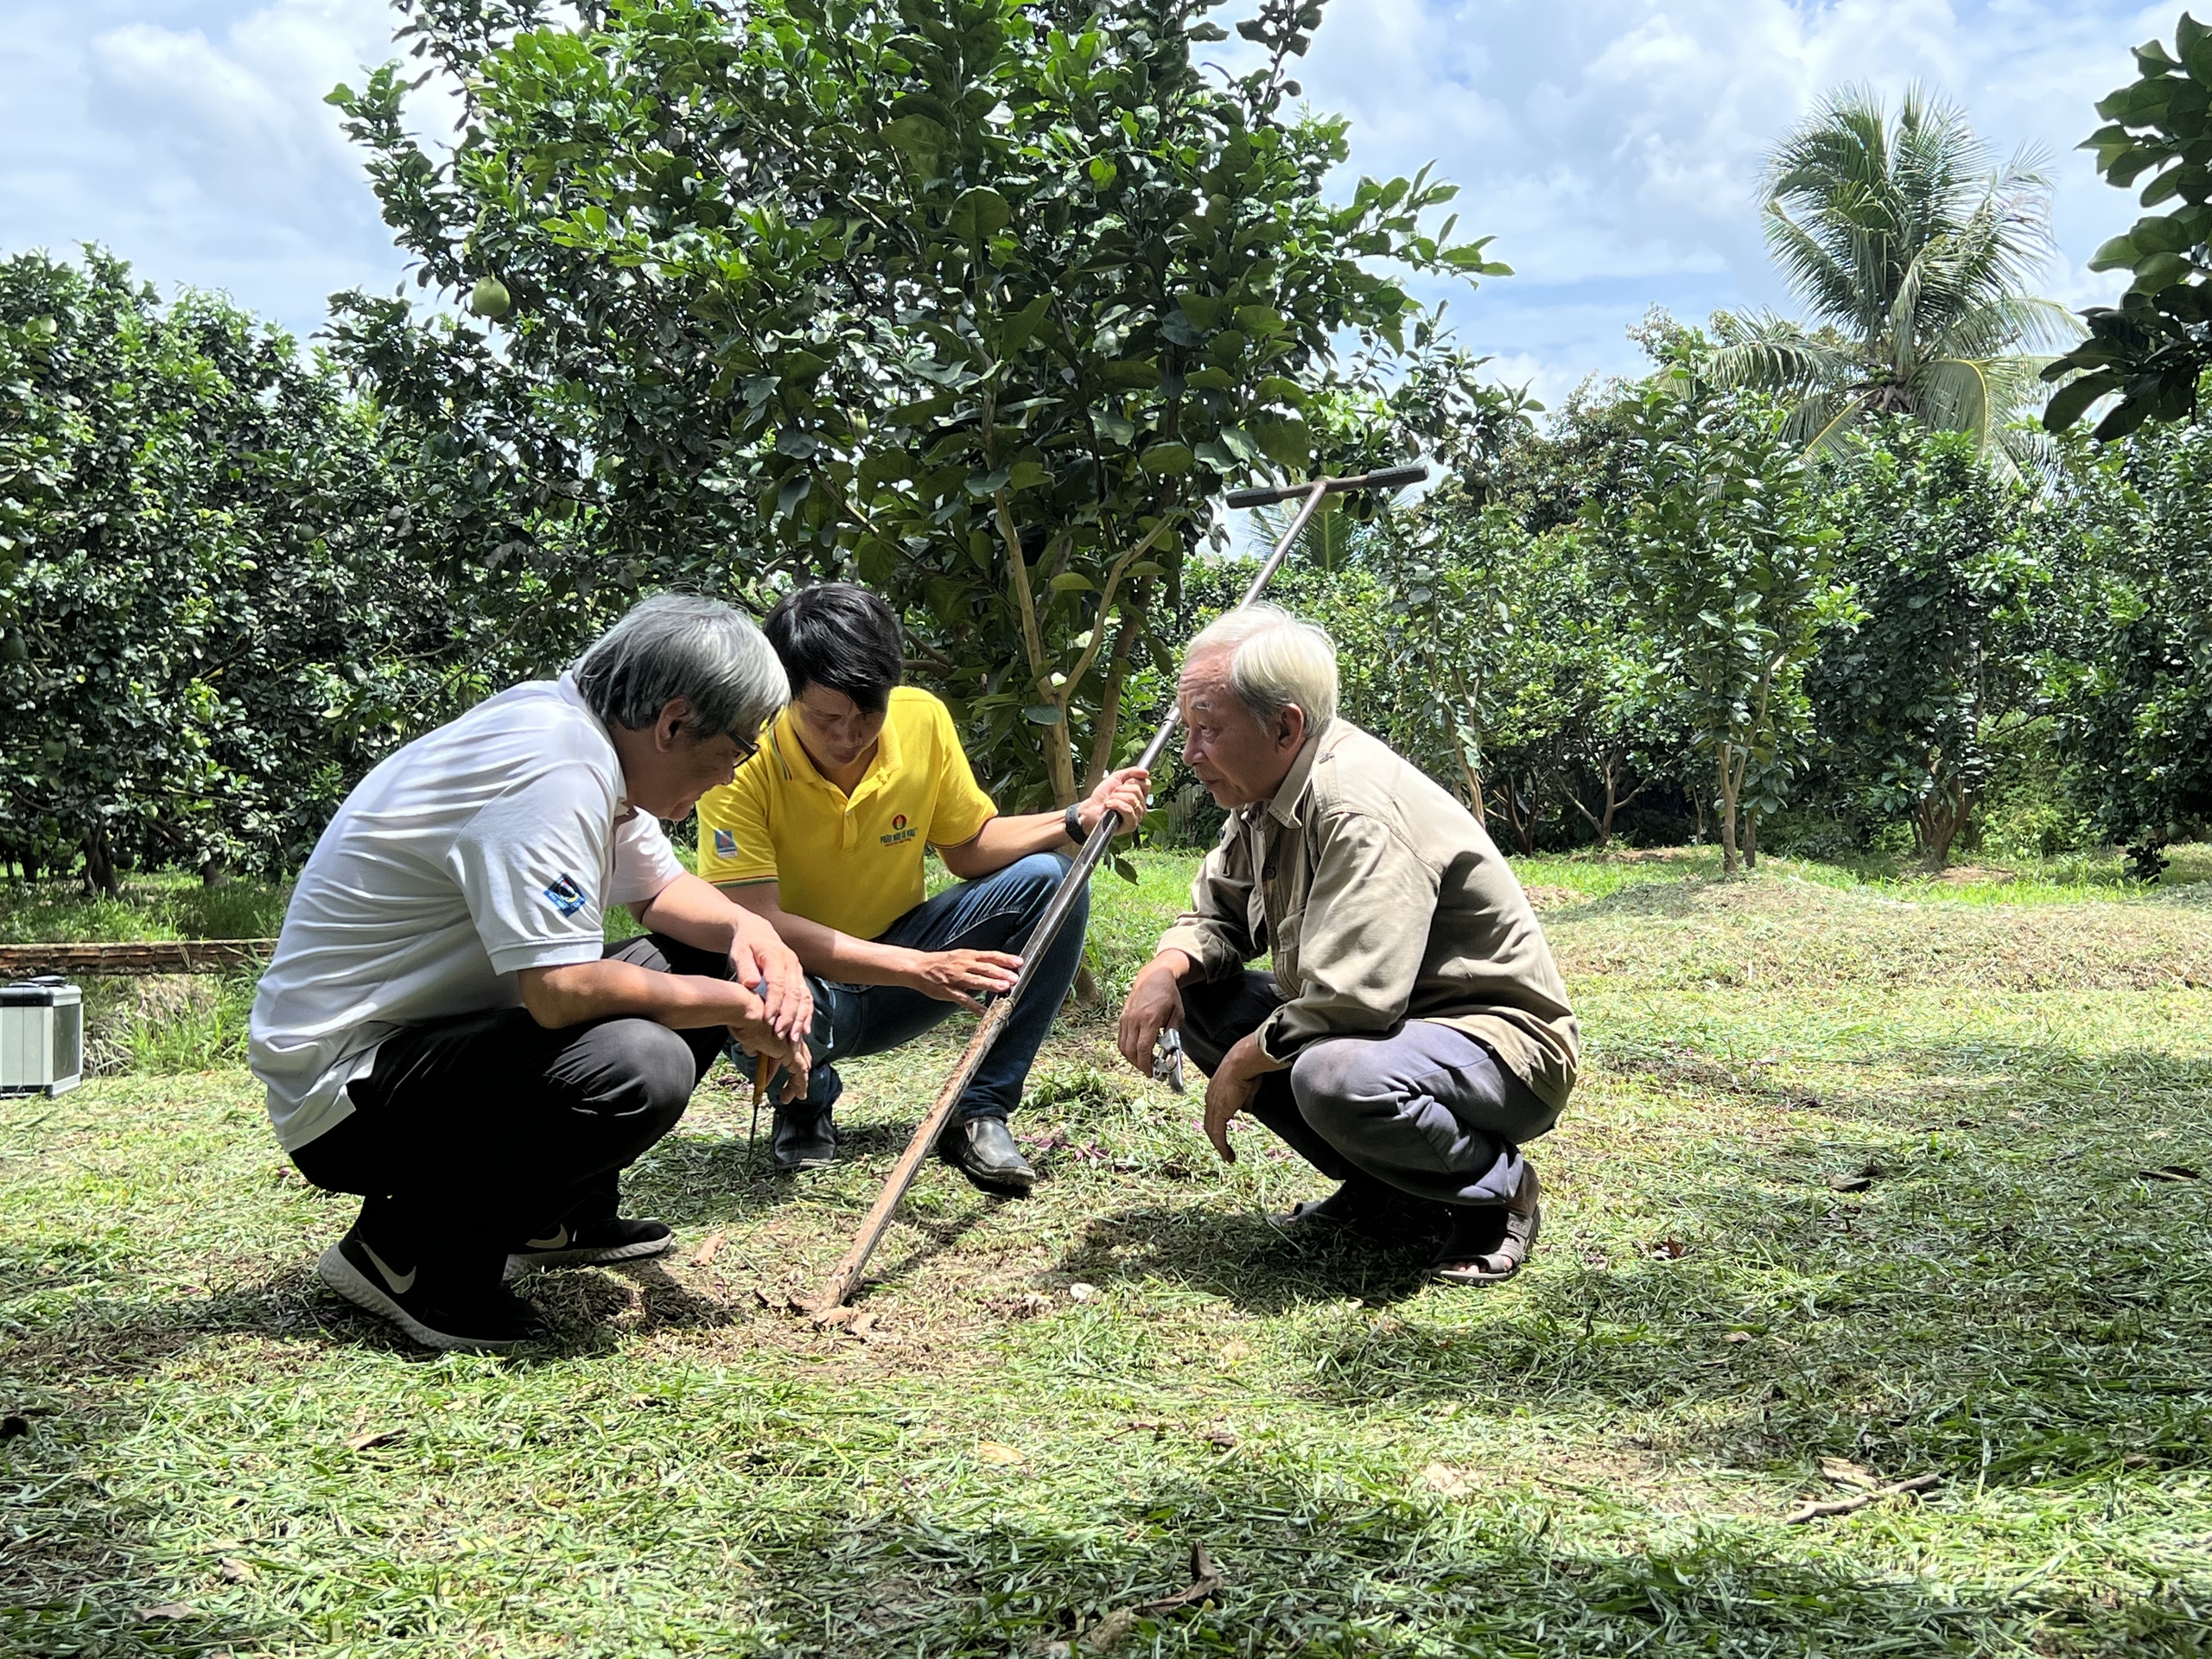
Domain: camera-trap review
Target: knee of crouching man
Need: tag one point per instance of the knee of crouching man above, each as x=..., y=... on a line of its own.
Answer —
x=1324, y=1078
x=653, y=1070
x=1042, y=874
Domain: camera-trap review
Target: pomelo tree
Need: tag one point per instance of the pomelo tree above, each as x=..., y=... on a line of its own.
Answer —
x=979, y=303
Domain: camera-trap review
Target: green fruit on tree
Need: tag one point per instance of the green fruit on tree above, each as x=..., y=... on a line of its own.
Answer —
x=490, y=298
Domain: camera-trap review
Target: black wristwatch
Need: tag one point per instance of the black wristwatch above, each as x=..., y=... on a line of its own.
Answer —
x=1074, y=823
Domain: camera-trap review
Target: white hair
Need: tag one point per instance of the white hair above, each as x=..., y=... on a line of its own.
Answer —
x=1276, y=660
x=683, y=645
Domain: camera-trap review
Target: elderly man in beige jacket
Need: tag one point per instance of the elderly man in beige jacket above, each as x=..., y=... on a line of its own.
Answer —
x=1414, y=1033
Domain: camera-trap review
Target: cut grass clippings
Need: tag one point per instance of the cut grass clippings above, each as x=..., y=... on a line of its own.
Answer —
x=1055, y=1401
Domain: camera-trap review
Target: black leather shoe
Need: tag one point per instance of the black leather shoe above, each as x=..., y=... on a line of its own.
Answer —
x=982, y=1149
x=804, y=1138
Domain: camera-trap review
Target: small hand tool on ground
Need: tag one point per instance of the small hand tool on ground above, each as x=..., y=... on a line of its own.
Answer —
x=761, y=1072
x=846, y=1277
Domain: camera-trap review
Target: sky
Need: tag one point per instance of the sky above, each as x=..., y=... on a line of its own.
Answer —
x=1611, y=147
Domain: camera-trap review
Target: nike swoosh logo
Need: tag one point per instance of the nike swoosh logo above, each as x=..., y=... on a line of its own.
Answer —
x=558, y=1241
x=400, y=1283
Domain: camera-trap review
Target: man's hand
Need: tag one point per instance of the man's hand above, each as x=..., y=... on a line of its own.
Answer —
x=1231, y=1088
x=1121, y=792
x=759, y=1037
x=961, y=976
x=1155, y=1003
x=756, y=953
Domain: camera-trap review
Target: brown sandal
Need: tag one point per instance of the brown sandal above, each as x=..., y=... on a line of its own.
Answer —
x=1491, y=1245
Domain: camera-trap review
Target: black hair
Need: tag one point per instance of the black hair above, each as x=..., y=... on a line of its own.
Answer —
x=840, y=637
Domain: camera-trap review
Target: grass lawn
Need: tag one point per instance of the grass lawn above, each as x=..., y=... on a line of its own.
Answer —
x=1893, y=1177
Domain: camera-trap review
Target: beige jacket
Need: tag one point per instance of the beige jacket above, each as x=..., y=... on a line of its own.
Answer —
x=1381, y=900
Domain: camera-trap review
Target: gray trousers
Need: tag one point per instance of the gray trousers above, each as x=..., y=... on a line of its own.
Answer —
x=1426, y=1109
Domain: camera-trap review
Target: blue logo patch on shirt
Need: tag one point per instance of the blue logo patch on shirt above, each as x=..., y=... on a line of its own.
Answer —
x=567, y=897
x=725, y=844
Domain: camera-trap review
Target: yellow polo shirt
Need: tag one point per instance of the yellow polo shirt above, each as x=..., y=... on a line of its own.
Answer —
x=851, y=862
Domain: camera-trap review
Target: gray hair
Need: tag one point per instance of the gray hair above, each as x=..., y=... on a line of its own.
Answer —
x=1275, y=660
x=684, y=646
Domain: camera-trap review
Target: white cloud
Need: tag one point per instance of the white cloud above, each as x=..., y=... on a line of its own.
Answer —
x=1612, y=145
x=193, y=140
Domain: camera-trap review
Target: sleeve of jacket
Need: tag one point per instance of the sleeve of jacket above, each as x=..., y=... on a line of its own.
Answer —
x=1361, y=937
x=1216, y=931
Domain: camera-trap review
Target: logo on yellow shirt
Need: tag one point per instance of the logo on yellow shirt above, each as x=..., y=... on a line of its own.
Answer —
x=725, y=844
x=899, y=832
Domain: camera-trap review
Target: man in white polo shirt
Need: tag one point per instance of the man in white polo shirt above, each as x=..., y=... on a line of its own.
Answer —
x=443, y=1030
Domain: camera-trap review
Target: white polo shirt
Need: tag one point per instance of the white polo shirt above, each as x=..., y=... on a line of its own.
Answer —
x=490, y=845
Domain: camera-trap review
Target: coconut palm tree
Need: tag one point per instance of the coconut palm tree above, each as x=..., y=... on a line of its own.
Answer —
x=1911, y=254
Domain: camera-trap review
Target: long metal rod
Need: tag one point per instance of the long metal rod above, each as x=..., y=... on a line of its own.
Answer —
x=845, y=1279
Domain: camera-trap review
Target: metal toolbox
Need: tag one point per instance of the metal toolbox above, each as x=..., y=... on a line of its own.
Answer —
x=42, y=1037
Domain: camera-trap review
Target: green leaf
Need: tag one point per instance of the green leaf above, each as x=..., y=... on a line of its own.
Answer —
x=1102, y=173
x=980, y=212
x=2117, y=254
x=1135, y=373
x=2069, y=402
x=2158, y=271
x=1261, y=321
x=1166, y=458
x=1022, y=324
x=1286, y=443
x=1123, y=868
x=916, y=136
x=1042, y=714
x=2158, y=234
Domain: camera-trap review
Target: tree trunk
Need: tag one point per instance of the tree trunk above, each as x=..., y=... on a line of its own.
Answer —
x=1727, y=814
x=1751, y=840
x=1938, y=817
x=1472, y=781
x=1601, y=823
x=99, y=864
x=1109, y=706
x=1521, y=823
x=215, y=873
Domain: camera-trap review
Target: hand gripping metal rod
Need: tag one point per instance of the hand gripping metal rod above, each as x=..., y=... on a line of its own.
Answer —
x=845, y=1279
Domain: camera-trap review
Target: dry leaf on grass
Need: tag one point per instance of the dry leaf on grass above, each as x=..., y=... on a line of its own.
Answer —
x=998, y=1452
x=169, y=1610
x=1442, y=1478
x=1221, y=1436
x=1847, y=1505
x=1739, y=1336
x=1845, y=1472
x=706, y=1253
x=1669, y=1249
x=368, y=1438
x=236, y=1571
x=1850, y=1183
x=1083, y=1292
x=1112, y=1631
x=2172, y=1172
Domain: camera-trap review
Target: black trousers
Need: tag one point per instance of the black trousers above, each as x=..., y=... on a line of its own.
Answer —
x=473, y=1133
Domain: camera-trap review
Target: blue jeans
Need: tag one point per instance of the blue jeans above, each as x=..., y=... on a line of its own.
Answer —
x=995, y=914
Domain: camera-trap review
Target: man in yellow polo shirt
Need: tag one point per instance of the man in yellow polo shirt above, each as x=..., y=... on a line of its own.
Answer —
x=823, y=831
